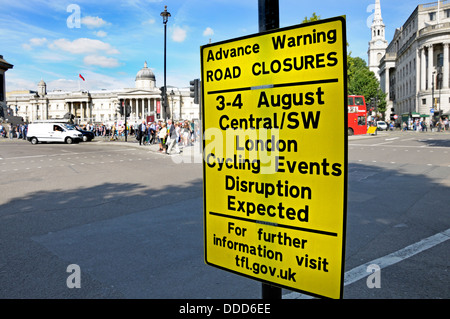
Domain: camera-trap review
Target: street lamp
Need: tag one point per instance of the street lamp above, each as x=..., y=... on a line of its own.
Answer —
x=165, y=15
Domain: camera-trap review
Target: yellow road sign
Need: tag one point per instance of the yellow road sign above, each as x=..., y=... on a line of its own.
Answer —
x=275, y=156
x=371, y=130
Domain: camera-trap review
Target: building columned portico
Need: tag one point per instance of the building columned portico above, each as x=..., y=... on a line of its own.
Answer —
x=415, y=71
x=103, y=106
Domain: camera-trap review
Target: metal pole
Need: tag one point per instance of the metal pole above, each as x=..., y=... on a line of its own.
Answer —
x=165, y=77
x=125, y=110
x=269, y=15
x=269, y=19
x=165, y=16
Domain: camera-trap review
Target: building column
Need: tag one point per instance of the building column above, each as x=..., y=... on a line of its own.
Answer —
x=82, y=111
x=423, y=70
x=90, y=106
x=387, y=84
x=446, y=69
x=417, y=72
x=430, y=65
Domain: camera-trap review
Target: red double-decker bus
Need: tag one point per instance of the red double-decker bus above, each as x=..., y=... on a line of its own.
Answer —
x=357, y=115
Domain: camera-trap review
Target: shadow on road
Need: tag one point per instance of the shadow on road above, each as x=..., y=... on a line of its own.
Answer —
x=137, y=241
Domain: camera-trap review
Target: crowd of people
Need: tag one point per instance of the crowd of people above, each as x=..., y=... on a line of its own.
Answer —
x=168, y=135
x=421, y=125
x=13, y=131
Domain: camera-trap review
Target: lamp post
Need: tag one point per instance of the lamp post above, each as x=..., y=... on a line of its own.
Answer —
x=165, y=15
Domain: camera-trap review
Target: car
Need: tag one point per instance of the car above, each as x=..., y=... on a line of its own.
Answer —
x=52, y=132
x=87, y=135
x=383, y=126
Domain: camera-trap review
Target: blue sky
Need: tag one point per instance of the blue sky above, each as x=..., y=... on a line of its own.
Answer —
x=111, y=40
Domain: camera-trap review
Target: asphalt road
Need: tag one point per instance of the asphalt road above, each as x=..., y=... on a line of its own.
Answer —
x=131, y=218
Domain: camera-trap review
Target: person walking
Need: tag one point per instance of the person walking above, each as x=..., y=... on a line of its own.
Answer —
x=173, y=138
x=162, y=135
x=141, y=132
x=11, y=131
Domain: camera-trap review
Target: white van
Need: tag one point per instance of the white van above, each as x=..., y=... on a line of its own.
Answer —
x=52, y=132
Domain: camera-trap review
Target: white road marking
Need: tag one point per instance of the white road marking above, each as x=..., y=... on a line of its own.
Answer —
x=360, y=272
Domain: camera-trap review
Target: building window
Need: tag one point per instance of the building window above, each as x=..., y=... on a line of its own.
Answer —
x=432, y=16
x=447, y=13
x=440, y=59
x=424, y=101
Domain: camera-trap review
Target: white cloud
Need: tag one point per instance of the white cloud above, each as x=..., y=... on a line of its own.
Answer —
x=16, y=84
x=101, y=34
x=34, y=42
x=101, y=61
x=208, y=32
x=82, y=46
x=149, y=21
x=179, y=34
x=93, y=22
x=94, y=81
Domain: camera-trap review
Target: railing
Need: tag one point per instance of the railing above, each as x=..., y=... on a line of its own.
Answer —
x=434, y=27
x=434, y=4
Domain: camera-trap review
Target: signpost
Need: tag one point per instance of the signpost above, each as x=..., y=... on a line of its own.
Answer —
x=275, y=156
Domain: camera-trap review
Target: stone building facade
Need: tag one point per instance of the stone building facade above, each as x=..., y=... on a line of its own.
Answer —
x=103, y=106
x=415, y=69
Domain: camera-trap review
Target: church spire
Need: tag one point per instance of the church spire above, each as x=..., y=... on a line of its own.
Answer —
x=378, y=26
x=377, y=15
x=378, y=43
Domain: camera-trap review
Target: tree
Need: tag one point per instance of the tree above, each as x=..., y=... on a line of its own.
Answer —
x=362, y=81
x=314, y=17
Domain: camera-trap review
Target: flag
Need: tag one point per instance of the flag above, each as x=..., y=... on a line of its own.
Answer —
x=81, y=77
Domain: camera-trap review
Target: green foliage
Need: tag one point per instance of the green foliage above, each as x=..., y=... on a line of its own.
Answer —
x=314, y=17
x=362, y=81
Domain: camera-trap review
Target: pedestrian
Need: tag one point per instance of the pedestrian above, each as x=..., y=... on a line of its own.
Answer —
x=162, y=135
x=186, y=134
x=173, y=138
x=141, y=132
x=151, y=133
x=11, y=131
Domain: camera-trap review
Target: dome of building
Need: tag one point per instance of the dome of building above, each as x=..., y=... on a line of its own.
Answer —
x=145, y=74
x=41, y=83
x=145, y=78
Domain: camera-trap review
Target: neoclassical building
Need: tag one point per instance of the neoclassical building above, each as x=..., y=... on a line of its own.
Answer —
x=103, y=106
x=415, y=69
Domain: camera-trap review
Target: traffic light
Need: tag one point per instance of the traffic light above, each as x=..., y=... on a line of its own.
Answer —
x=163, y=95
x=195, y=90
x=128, y=113
x=120, y=109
